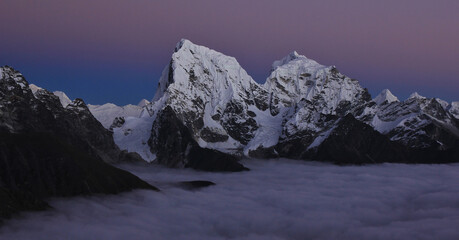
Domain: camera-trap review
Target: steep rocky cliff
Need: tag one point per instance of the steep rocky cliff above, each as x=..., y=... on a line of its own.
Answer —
x=48, y=150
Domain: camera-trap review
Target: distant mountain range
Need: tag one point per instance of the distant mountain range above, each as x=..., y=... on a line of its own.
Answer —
x=207, y=114
x=300, y=112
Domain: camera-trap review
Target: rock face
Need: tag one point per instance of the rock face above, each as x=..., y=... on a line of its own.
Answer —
x=313, y=97
x=218, y=103
x=63, y=98
x=453, y=109
x=176, y=147
x=14, y=201
x=417, y=122
x=48, y=150
x=25, y=111
x=206, y=99
x=213, y=96
x=354, y=142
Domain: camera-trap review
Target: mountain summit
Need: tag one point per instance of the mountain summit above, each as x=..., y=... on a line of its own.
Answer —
x=385, y=97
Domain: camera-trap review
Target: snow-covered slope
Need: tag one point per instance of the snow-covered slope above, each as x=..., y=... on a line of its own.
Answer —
x=385, y=97
x=34, y=88
x=296, y=77
x=416, y=122
x=454, y=109
x=131, y=126
x=416, y=95
x=143, y=103
x=312, y=97
x=213, y=96
x=107, y=113
x=133, y=136
x=65, y=100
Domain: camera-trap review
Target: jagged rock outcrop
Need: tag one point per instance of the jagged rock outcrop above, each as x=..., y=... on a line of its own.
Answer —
x=454, y=109
x=354, y=142
x=48, y=150
x=176, y=147
x=313, y=97
x=417, y=122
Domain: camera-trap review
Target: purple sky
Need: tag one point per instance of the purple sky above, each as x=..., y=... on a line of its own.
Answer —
x=114, y=51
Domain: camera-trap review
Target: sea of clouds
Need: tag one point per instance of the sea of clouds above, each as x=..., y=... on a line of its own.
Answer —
x=277, y=199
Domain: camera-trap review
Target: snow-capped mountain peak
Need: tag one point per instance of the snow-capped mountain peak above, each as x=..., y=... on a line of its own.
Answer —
x=416, y=95
x=193, y=66
x=183, y=43
x=290, y=57
x=65, y=100
x=385, y=96
x=34, y=88
x=303, y=78
x=308, y=92
x=294, y=56
x=9, y=74
x=143, y=103
x=211, y=93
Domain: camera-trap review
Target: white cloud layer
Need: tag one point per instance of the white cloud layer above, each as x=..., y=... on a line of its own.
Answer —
x=276, y=200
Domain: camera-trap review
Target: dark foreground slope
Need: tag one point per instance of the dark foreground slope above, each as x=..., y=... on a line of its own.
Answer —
x=35, y=166
x=47, y=150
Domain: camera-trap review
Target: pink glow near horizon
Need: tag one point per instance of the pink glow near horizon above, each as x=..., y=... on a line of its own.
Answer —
x=413, y=42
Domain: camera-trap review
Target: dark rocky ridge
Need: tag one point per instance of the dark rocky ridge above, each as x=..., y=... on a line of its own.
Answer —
x=175, y=147
x=433, y=126
x=24, y=111
x=13, y=201
x=47, y=150
x=354, y=142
